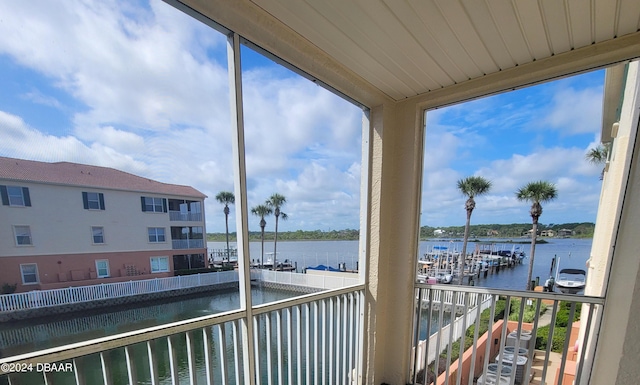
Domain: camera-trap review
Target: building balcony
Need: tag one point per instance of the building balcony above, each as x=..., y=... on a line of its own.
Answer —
x=181, y=244
x=185, y=216
x=318, y=338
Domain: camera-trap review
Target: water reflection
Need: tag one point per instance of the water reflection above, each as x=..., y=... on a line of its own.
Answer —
x=31, y=335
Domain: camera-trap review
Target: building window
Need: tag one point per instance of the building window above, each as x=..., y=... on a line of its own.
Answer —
x=156, y=234
x=23, y=235
x=159, y=264
x=154, y=205
x=93, y=200
x=97, y=232
x=102, y=268
x=15, y=196
x=29, y=273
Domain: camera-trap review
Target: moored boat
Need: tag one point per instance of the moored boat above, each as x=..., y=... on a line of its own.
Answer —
x=571, y=281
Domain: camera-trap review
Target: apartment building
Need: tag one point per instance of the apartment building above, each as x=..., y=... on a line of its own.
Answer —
x=67, y=224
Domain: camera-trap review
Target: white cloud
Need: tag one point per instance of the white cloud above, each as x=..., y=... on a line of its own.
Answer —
x=576, y=111
x=578, y=190
x=148, y=91
x=22, y=141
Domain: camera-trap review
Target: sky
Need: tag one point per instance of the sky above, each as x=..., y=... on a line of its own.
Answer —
x=141, y=87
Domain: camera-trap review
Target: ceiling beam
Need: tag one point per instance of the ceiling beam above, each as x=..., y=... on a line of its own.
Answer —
x=595, y=56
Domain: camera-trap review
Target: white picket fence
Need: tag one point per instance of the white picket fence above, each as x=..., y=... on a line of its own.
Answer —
x=303, y=280
x=72, y=295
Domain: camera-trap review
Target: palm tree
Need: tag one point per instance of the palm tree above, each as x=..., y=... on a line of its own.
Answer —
x=470, y=187
x=226, y=198
x=598, y=156
x=536, y=193
x=275, y=202
x=262, y=211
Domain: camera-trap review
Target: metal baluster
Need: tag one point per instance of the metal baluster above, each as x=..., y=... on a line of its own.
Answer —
x=173, y=360
x=131, y=368
x=316, y=331
x=554, y=313
x=476, y=333
x=208, y=363
x=222, y=341
x=416, y=335
x=106, y=367
x=565, y=349
x=584, y=344
x=279, y=336
x=268, y=348
x=236, y=350
x=307, y=324
x=153, y=362
x=77, y=370
x=331, y=338
x=289, y=346
x=298, y=313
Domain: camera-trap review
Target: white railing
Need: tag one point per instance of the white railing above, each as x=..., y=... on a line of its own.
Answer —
x=188, y=216
x=179, y=244
x=72, y=295
x=324, y=282
x=447, y=298
x=314, y=338
x=491, y=328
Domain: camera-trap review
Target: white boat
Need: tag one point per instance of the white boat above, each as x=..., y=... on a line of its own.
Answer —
x=571, y=281
x=443, y=277
x=428, y=274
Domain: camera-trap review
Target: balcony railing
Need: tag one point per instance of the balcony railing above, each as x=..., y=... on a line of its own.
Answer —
x=309, y=339
x=188, y=216
x=534, y=330
x=179, y=244
x=303, y=280
x=73, y=295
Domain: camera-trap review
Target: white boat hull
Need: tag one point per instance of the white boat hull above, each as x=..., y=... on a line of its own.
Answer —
x=570, y=287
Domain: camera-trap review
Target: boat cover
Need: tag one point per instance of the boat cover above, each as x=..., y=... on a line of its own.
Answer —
x=573, y=271
x=323, y=268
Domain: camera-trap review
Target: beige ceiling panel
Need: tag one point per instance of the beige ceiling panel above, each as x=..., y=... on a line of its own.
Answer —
x=629, y=17
x=400, y=46
x=535, y=34
x=606, y=14
x=429, y=16
x=510, y=30
x=486, y=28
x=580, y=22
x=363, y=32
x=406, y=48
x=456, y=17
x=555, y=17
x=330, y=39
x=429, y=37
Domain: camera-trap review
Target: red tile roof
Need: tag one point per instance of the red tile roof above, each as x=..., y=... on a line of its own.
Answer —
x=75, y=174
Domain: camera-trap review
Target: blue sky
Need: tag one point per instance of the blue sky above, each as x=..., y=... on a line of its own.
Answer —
x=143, y=88
x=531, y=134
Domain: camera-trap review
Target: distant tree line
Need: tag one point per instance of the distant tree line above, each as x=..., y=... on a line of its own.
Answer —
x=299, y=235
x=514, y=230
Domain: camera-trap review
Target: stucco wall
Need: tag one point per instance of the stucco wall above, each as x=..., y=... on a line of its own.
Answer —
x=60, y=224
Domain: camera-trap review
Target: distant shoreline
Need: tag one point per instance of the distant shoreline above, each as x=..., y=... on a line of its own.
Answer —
x=504, y=233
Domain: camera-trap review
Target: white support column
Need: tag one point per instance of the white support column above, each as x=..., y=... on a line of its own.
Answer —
x=240, y=188
x=395, y=179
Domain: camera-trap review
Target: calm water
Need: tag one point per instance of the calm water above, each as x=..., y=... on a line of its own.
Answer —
x=571, y=252
x=33, y=335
